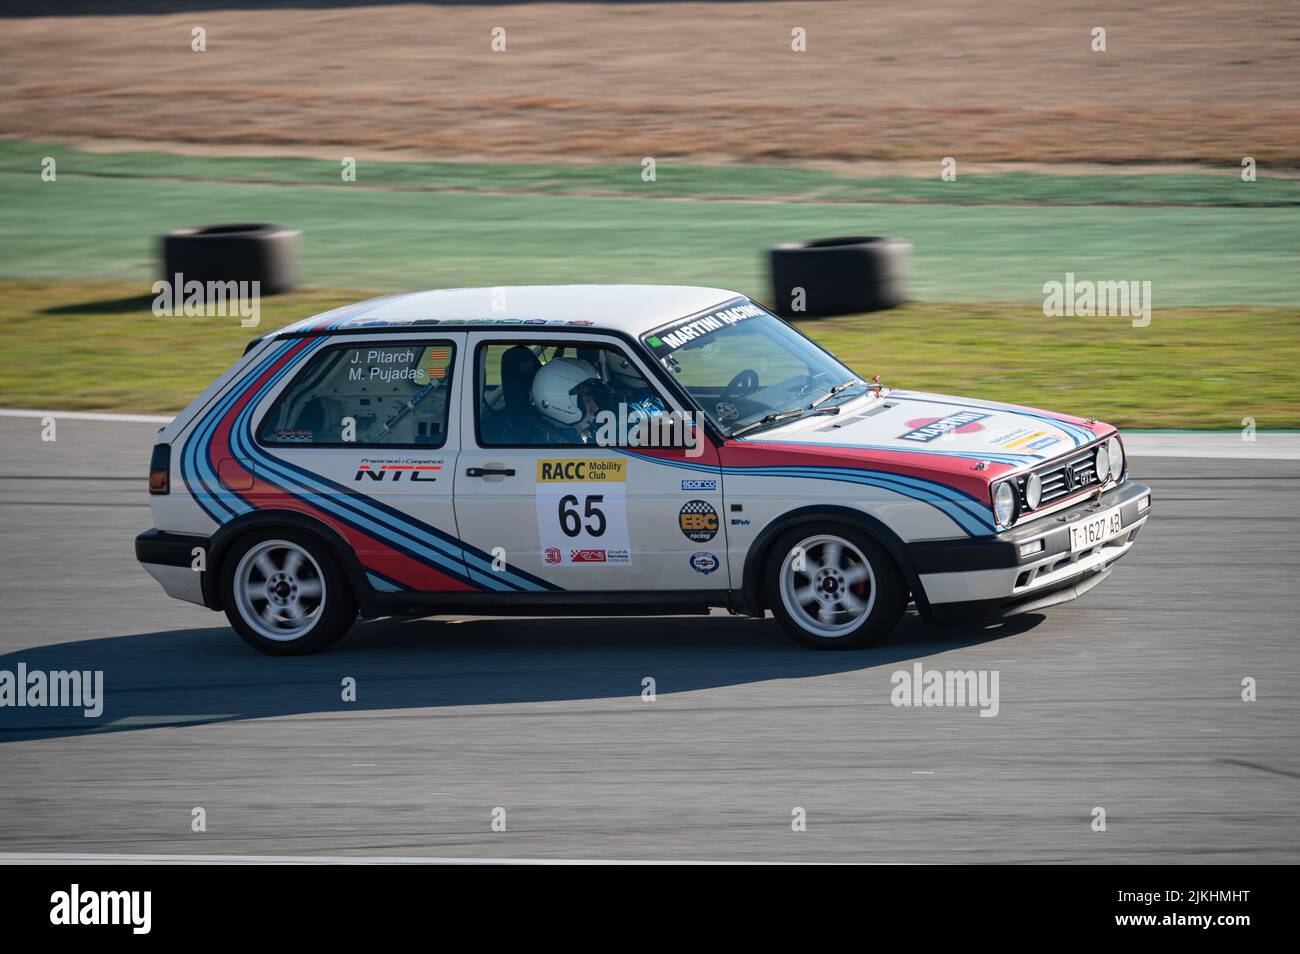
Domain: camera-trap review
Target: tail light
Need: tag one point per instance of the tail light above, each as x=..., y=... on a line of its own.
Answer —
x=160, y=468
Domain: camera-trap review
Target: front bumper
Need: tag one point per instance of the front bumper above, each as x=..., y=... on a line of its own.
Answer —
x=987, y=577
x=169, y=558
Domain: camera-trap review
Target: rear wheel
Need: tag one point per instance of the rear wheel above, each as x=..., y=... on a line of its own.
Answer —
x=285, y=595
x=833, y=587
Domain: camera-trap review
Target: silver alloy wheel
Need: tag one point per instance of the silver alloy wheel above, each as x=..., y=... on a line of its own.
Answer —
x=279, y=590
x=832, y=590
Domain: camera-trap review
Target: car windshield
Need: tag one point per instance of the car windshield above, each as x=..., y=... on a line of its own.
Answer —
x=748, y=369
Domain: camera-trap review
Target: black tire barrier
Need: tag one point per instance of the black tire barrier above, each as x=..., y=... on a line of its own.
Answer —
x=838, y=276
x=240, y=253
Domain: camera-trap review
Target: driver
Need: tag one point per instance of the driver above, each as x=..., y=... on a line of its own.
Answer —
x=632, y=389
x=567, y=392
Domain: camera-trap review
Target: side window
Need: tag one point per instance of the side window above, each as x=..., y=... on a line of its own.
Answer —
x=549, y=393
x=370, y=395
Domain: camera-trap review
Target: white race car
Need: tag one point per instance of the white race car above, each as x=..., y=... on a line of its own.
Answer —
x=617, y=450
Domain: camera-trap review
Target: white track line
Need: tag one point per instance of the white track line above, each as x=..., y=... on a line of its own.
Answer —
x=1215, y=445
x=89, y=416
x=52, y=858
x=1218, y=445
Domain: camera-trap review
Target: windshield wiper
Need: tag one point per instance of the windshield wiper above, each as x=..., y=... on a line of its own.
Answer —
x=834, y=391
x=777, y=418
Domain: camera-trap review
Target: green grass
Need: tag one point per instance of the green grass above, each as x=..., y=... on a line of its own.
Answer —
x=105, y=228
x=97, y=346
x=78, y=254
x=675, y=180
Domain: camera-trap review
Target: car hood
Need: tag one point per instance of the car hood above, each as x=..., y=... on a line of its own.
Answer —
x=941, y=427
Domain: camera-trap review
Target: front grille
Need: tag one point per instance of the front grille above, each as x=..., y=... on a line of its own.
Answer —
x=1062, y=478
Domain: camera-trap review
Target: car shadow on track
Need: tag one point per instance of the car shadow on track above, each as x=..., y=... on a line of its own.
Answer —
x=198, y=676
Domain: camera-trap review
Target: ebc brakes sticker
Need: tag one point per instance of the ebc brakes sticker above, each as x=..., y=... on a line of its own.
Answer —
x=698, y=521
x=582, y=511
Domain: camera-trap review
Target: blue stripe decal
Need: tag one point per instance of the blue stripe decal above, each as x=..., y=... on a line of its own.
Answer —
x=335, y=317
x=968, y=512
x=382, y=583
x=917, y=483
x=209, y=499
x=964, y=510
x=997, y=457
x=245, y=447
x=205, y=466
x=417, y=540
x=322, y=493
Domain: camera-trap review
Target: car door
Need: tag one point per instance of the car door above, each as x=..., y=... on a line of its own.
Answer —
x=581, y=516
x=363, y=436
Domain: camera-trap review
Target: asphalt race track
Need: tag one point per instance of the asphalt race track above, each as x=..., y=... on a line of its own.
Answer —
x=1129, y=700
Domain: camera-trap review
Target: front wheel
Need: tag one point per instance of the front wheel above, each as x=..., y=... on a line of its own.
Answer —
x=284, y=593
x=833, y=587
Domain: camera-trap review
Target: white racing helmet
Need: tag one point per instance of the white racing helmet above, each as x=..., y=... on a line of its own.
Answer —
x=555, y=389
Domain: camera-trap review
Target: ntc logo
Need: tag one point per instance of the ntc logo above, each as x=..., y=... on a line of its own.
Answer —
x=418, y=472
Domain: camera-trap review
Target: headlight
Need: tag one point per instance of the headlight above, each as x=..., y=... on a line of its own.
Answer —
x=1103, y=464
x=1033, y=491
x=1004, y=502
x=1116, y=451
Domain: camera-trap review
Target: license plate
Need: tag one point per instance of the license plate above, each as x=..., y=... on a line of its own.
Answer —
x=1099, y=528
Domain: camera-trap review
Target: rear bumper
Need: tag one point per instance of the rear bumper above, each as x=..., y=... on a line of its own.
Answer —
x=169, y=559
x=987, y=576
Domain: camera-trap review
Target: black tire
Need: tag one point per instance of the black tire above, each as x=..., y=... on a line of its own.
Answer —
x=886, y=596
x=839, y=276
x=334, y=616
x=238, y=253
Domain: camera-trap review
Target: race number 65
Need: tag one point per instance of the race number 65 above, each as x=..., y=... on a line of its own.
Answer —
x=571, y=521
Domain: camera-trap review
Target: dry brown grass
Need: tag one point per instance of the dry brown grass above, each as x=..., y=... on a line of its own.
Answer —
x=1005, y=80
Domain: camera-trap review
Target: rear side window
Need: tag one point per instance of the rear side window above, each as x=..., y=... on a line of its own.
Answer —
x=369, y=395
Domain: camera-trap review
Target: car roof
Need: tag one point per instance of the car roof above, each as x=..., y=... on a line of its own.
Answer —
x=633, y=309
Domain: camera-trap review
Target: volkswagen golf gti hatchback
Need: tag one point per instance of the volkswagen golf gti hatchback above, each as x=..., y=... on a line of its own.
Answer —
x=613, y=450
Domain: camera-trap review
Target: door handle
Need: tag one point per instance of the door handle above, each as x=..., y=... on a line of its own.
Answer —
x=489, y=471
